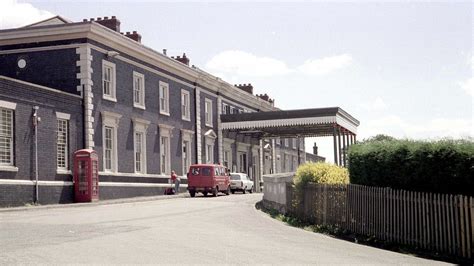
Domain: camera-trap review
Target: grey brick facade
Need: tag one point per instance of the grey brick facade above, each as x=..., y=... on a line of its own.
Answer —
x=25, y=96
x=55, y=69
x=74, y=67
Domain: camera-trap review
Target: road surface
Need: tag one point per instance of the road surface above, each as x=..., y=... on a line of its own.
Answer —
x=223, y=230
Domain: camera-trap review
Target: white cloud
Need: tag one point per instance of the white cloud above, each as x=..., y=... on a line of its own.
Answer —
x=434, y=128
x=377, y=105
x=325, y=65
x=235, y=63
x=468, y=86
x=14, y=14
x=246, y=64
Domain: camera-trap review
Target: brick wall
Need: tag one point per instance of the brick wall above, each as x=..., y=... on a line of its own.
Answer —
x=55, y=69
x=49, y=102
x=124, y=107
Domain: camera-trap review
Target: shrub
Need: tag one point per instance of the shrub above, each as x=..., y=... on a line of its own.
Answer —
x=444, y=166
x=321, y=173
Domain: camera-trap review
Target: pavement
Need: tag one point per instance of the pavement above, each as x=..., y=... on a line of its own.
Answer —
x=33, y=207
x=173, y=230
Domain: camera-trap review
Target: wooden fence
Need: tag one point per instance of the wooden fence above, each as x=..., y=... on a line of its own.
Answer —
x=438, y=222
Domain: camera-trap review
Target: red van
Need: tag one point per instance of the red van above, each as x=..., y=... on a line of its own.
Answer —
x=208, y=178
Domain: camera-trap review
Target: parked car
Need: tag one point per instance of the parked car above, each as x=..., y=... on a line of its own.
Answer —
x=208, y=178
x=240, y=182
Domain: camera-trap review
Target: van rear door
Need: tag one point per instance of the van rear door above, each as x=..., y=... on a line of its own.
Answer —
x=200, y=177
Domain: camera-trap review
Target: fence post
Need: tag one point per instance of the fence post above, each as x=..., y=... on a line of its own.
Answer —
x=416, y=222
x=463, y=229
x=410, y=217
x=467, y=229
x=444, y=240
x=450, y=224
x=390, y=217
x=457, y=245
x=423, y=218
x=471, y=201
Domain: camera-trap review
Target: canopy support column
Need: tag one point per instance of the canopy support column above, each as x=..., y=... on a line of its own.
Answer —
x=335, y=144
x=261, y=166
x=339, y=157
x=273, y=157
x=298, y=148
x=344, y=147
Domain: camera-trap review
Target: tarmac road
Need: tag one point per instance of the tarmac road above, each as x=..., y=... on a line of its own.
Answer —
x=223, y=230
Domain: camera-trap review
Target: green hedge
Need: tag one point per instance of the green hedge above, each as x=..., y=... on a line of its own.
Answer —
x=445, y=166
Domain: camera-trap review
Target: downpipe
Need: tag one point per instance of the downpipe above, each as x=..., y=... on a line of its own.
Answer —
x=36, y=119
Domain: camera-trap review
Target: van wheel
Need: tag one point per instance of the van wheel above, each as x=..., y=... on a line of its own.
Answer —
x=244, y=191
x=250, y=190
x=227, y=192
x=192, y=193
x=205, y=193
x=215, y=191
x=232, y=190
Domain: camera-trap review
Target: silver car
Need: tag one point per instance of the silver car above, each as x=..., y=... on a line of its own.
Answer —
x=240, y=182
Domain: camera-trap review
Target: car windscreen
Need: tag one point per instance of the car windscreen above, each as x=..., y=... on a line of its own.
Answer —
x=202, y=171
x=235, y=177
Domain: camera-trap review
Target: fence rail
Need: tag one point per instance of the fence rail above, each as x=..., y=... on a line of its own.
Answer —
x=439, y=222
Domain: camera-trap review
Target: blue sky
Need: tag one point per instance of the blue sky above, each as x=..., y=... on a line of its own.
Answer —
x=401, y=68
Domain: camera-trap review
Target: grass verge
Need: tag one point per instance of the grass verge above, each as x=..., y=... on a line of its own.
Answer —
x=339, y=233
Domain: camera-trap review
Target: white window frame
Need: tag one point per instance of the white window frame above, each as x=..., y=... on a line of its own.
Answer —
x=141, y=90
x=208, y=112
x=210, y=139
x=140, y=126
x=226, y=159
x=240, y=166
x=113, y=81
x=110, y=120
x=9, y=106
x=66, y=118
x=224, y=108
x=165, y=134
x=227, y=143
x=187, y=137
x=185, y=104
x=209, y=153
x=165, y=106
x=293, y=142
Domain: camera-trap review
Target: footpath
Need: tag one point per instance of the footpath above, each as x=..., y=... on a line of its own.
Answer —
x=94, y=203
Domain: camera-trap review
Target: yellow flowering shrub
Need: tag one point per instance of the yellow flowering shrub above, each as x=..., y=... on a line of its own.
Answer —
x=321, y=173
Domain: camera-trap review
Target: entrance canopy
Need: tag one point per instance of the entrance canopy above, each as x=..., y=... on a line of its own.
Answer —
x=319, y=122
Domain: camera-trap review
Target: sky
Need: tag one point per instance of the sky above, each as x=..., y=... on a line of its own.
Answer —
x=402, y=68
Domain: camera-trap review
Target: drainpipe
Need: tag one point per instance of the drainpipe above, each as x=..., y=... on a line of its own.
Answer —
x=36, y=119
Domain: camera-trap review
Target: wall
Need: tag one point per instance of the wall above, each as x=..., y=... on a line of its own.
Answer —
x=55, y=69
x=274, y=190
x=17, y=184
x=124, y=107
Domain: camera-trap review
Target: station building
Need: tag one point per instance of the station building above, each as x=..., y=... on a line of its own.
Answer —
x=145, y=114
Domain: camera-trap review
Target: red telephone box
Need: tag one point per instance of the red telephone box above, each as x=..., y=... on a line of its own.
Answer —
x=86, y=176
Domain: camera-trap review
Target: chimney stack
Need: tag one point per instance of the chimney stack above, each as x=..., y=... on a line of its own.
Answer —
x=263, y=96
x=164, y=51
x=245, y=87
x=111, y=23
x=315, y=149
x=134, y=36
x=183, y=59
